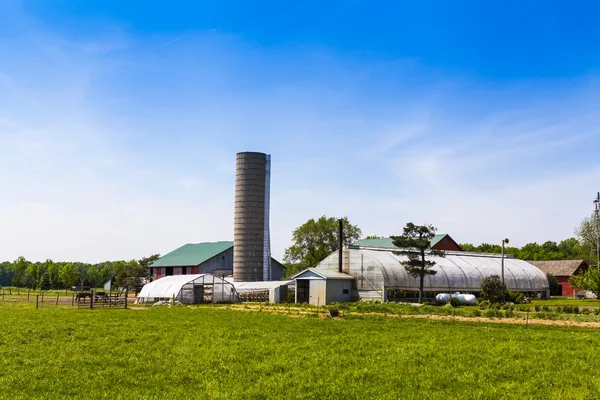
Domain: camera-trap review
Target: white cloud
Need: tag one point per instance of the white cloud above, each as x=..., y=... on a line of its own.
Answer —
x=121, y=154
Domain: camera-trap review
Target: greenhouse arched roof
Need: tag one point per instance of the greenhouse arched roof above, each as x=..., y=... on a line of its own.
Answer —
x=170, y=286
x=374, y=269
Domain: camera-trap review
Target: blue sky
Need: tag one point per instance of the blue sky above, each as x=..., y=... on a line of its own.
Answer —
x=120, y=121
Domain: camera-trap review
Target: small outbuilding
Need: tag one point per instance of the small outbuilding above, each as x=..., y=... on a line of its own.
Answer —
x=189, y=289
x=320, y=287
x=266, y=291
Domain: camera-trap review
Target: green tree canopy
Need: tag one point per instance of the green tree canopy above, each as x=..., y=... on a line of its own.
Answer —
x=128, y=274
x=415, y=243
x=589, y=280
x=69, y=274
x=316, y=239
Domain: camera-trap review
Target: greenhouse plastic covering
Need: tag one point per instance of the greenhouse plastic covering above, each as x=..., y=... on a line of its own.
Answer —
x=189, y=289
x=457, y=272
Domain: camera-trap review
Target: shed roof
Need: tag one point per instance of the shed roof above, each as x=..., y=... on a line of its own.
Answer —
x=387, y=243
x=559, y=267
x=242, y=287
x=192, y=254
x=325, y=274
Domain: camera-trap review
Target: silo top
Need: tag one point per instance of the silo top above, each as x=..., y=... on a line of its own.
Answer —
x=256, y=153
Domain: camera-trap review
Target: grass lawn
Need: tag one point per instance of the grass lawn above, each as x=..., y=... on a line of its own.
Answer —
x=209, y=352
x=566, y=301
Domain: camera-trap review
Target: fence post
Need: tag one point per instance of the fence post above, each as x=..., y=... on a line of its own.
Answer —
x=318, y=298
x=37, y=296
x=42, y=296
x=126, y=295
x=27, y=295
x=73, y=299
x=91, y=300
x=57, y=294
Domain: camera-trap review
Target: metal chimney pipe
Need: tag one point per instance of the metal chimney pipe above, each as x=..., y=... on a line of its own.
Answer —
x=340, y=243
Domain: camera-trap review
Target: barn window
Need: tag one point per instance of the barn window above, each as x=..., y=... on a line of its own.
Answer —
x=345, y=291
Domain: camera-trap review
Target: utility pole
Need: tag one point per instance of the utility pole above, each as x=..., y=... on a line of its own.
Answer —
x=597, y=223
x=505, y=241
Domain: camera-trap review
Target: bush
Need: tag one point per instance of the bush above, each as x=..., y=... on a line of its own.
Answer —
x=334, y=313
x=555, y=289
x=483, y=304
x=291, y=297
x=519, y=299
x=454, y=302
x=493, y=289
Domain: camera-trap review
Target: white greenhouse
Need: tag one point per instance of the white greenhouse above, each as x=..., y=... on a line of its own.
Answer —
x=189, y=289
x=378, y=274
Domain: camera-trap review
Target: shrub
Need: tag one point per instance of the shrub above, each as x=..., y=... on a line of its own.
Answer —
x=546, y=308
x=537, y=308
x=291, y=297
x=334, y=312
x=454, y=302
x=483, y=304
x=519, y=299
x=555, y=289
x=509, y=313
x=493, y=289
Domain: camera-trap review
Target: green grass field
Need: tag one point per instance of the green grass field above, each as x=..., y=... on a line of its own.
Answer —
x=210, y=352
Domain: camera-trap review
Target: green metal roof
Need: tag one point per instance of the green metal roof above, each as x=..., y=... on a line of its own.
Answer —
x=386, y=243
x=192, y=254
x=437, y=238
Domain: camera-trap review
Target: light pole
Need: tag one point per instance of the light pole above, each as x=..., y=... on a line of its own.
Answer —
x=597, y=227
x=505, y=241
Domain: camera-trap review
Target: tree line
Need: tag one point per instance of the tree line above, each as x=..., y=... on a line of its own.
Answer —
x=63, y=275
x=568, y=249
x=582, y=247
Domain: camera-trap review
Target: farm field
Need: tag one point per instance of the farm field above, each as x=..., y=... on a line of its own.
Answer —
x=205, y=352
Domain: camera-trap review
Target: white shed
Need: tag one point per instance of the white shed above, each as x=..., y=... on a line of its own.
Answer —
x=322, y=286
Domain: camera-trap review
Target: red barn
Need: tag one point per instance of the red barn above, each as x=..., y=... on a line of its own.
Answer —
x=562, y=271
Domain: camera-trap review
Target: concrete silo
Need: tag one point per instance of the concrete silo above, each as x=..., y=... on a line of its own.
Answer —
x=252, y=245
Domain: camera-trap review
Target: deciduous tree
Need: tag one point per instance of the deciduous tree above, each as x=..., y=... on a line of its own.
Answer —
x=316, y=239
x=589, y=280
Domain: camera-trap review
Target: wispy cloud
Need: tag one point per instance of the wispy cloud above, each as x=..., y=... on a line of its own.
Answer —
x=125, y=146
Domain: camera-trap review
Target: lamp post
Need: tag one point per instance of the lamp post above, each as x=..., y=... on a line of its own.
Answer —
x=505, y=241
x=597, y=227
